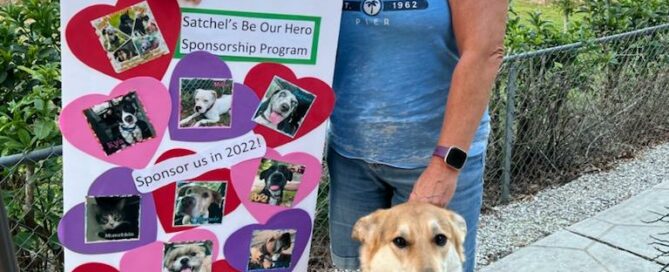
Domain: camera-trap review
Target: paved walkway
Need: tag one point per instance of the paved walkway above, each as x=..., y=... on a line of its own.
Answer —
x=622, y=238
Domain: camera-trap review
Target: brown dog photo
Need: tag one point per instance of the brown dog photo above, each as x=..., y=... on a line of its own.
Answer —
x=411, y=237
x=271, y=249
x=187, y=257
x=199, y=203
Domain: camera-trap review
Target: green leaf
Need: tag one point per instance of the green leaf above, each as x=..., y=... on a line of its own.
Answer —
x=42, y=129
x=39, y=104
x=24, y=136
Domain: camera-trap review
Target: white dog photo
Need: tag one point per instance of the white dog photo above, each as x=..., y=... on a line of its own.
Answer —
x=205, y=103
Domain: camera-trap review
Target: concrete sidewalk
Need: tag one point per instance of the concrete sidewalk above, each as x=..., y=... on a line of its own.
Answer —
x=618, y=239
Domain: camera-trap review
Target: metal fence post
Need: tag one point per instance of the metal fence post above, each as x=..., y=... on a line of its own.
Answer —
x=7, y=255
x=508, y=132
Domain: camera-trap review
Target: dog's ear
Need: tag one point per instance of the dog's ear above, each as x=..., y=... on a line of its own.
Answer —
x=368, y=226
x=459, y=227
x=286, y=240
x=287, y=173
x=214, y=94
x=217, y=196
x=265, y=173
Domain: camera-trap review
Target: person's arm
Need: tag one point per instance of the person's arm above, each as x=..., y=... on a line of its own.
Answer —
x=479, y=27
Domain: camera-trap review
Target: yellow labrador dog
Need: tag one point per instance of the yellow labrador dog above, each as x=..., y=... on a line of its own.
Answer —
x=411, y=237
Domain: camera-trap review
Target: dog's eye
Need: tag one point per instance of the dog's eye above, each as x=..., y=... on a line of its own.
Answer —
x=440, y=240
x=205, y=195
x=400, y=242
x=193, y=254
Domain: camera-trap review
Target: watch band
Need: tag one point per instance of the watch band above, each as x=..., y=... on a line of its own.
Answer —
x=453, y=156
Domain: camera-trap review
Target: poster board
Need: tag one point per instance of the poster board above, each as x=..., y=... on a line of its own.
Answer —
x=193, y=132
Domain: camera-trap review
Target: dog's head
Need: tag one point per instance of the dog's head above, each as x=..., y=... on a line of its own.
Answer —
x=276, y=177
x=411, y=237
x=128, y=112
x=186, y=257
x=204, y=100
x=282, y=104
x=274, y=243
x=196, y=199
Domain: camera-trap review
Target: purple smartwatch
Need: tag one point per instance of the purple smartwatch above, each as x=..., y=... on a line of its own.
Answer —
x=453, y=156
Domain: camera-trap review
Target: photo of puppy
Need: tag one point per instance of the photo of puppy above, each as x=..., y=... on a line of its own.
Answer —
x=112, y=218
x=188, y=257
x=284, y=107
x=119, y=123
x=411, y=237
x=276, y=183
x=271, y=249
x=205, y=102
x=130, y=37
x=199, y=203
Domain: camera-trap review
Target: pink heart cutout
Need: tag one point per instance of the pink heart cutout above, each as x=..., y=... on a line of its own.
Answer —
x=155, y=100
x=150, y=257
x=245, y=172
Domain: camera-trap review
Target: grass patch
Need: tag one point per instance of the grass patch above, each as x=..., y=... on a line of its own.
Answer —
x=549, y=12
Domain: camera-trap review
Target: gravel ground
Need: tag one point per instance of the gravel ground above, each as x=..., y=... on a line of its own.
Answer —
x=518, y=224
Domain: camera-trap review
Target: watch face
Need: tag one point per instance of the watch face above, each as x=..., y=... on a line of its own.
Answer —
x=456, y=158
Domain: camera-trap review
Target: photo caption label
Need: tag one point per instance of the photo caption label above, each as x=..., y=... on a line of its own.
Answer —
x=247, y=36
x=234, y=151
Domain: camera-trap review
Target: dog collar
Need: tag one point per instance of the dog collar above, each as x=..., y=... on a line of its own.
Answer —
x=129, y=129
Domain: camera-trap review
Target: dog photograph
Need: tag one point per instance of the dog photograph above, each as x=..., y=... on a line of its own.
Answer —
x=112, y=218
x=276, y=183
x=271, y=249
x=199, y=203
x=205, y=102
x=119, y=123
x=284, y=107
x=413, y=236
x=187, y=256
x=130, y=37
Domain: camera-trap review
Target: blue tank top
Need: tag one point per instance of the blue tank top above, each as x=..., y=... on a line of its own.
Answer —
x=392, y=76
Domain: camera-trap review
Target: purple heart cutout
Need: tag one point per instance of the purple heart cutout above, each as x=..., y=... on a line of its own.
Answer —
x=116, y=181
x=237, y=246
x=202, y=64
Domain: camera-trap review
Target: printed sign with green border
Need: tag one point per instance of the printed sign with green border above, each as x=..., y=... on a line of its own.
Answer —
x=314, y=44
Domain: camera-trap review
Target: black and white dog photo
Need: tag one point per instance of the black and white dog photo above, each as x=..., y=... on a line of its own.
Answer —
x=119, y=123
x=276, y=183
x=284, y=107
x=205, y=102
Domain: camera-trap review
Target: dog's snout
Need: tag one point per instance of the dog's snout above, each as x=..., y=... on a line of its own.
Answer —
x=198, y=108
x=129, y=119
x=185, y=261
x=285, y=107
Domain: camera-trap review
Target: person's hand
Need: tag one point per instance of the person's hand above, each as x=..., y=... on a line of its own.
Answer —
x=436, y=185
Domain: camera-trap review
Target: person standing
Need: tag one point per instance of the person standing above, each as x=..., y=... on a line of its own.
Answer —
x=413, y=81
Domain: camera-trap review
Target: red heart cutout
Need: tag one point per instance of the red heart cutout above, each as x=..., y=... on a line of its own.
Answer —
x=95, y=267
x=165, y=196
x=84, y=43
x=222, y=266
x=259, y=79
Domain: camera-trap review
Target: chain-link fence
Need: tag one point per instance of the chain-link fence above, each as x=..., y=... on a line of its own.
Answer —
x=31, y=190
x=557, y=113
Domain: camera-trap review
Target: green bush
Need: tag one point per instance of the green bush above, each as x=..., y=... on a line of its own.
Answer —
x=29, y=105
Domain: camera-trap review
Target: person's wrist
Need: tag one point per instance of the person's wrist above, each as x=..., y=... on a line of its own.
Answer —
x=439, y=164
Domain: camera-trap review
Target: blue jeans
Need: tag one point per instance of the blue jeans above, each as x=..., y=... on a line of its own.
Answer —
x=358, y=188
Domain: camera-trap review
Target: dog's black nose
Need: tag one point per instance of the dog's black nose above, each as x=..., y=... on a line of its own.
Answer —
x=185, y=261
x=129, y=119
x=285, y=107
x=197, y=108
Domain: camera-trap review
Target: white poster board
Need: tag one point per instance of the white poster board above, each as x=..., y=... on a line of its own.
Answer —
x=194, y=135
